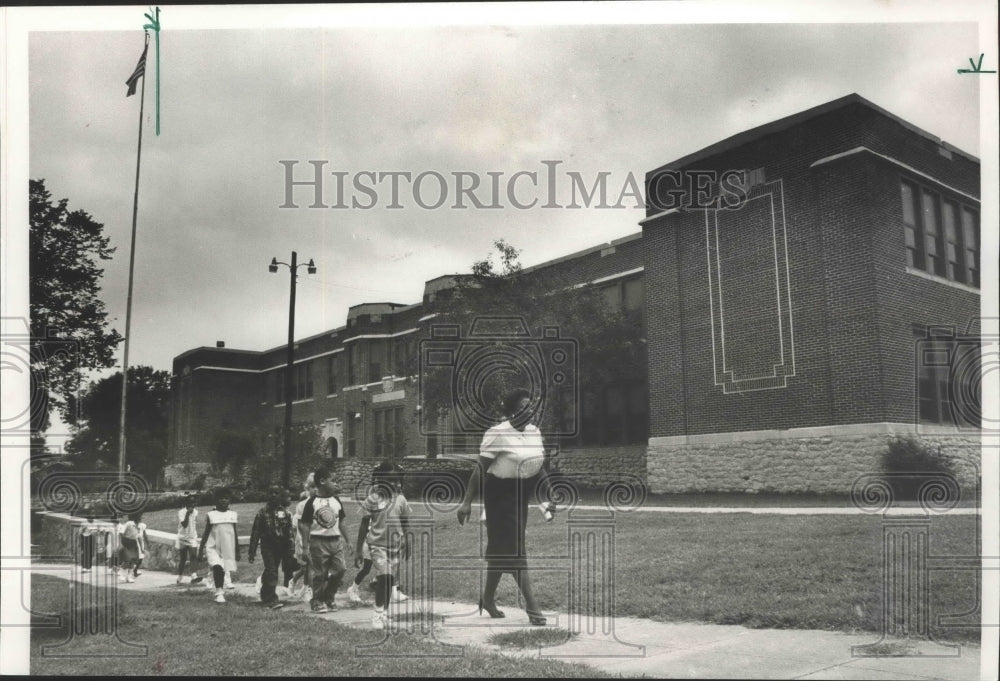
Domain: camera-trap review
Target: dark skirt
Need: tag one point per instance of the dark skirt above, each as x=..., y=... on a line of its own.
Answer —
x=129, y=551
x=506, y=501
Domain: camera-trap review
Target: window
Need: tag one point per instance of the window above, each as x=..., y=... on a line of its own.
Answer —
x=970, y=244
x=352, y=436
x=389, y=433
x=914, y=248
x=303, y=388
x=616, y=414
x=932, y=234
x=279, y=386
x=937, y=240
x=302, y=382
x=633, y=294
x=352, y=364
x=948, y=379
x=612, y=296
x=624, y=295
x=331, y=374
x=376, y=360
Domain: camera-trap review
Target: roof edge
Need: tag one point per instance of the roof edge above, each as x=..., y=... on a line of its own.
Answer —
x=782, y=124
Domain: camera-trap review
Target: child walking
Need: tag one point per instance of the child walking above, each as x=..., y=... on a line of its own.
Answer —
x=303, y=576
x=88, y=536
x=112, y=544
x=353, y=594
x=143, y=540
x=130, y=546
x=384, y=515
x=272, y=530
x=289, y=562
x=219, y=543
x=187, y=539
x=324, y=539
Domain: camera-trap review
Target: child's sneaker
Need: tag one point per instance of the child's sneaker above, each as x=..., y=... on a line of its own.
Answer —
x=352, y=594
x=220, y=597
x=196, y=579
x=130, y=579
x=277, y=605
x=319, y=607
x=379, y=620
x=397, y=595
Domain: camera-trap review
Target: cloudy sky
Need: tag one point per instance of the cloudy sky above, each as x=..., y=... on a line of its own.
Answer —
x=500, y=97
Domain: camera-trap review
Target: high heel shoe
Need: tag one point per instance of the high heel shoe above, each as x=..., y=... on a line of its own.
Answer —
x=536, y=619
x=491, y=609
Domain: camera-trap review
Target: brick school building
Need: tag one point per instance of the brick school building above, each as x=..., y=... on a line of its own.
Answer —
x=807, y=289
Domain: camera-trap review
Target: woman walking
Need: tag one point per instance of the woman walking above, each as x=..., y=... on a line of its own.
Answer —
x=511, y=459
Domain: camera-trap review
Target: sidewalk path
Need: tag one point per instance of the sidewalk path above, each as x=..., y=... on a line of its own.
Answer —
x=630, y=646
x=796, y=510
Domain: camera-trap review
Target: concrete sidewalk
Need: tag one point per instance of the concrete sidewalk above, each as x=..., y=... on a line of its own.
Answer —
x=628, y=646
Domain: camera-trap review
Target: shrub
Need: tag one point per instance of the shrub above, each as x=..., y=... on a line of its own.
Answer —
x=910, y=462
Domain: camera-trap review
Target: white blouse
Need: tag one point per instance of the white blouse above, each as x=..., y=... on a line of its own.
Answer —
x=515, y=454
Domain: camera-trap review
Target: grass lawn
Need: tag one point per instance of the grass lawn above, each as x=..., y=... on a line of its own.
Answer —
x=187, y=635
x=806, y=572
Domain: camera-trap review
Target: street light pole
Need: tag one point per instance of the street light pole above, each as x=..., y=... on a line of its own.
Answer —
x=286, y=474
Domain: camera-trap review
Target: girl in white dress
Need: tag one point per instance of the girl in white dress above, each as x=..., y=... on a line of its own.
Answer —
x=219, y=545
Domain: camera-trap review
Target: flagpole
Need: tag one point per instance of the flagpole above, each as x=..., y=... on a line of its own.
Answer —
x=131, y=269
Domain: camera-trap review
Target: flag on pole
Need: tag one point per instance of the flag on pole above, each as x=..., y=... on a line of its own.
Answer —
x=140, y=71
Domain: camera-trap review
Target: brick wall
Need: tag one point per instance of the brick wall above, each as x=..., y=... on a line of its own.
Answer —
x=852, y=304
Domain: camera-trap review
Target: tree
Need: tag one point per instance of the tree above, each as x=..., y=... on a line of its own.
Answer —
x=69, y=329
x=96, y=441
x=609, y=342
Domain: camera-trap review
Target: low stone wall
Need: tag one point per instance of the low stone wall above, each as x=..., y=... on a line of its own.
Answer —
x=55, y=536
x=596, y=467
x=184, y=475
x=804, y=460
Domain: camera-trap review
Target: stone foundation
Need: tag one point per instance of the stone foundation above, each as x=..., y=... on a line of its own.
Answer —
x=602, y=466
x=185, y=475
x=797, y=461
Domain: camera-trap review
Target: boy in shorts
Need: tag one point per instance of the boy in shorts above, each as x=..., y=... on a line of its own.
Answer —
x=384, y=513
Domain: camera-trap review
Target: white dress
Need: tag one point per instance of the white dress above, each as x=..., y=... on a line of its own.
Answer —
x=220, y=549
